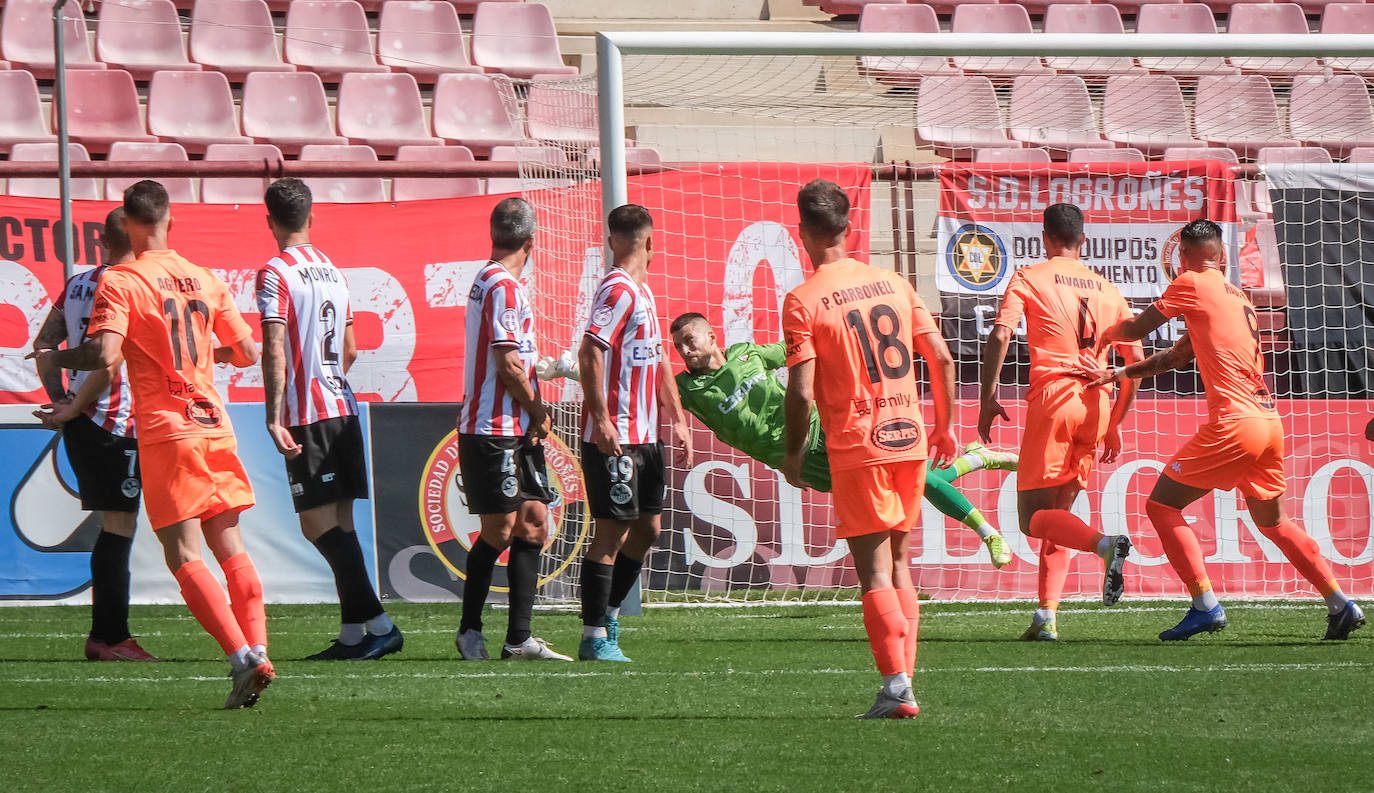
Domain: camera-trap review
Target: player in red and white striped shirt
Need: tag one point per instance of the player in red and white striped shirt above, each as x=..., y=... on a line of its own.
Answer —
x=312, y=417
x=625, y=378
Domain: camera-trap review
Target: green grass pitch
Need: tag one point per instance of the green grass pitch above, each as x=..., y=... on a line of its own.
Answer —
x=749, y=699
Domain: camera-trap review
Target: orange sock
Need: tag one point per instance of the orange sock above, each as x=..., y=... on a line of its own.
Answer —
x=1054, y=568
x=1302, y=551
x=208, y=605
x=911, y=609
x=1063, y=528
x=887, y=629
x=245, y=597
x=1180, y=546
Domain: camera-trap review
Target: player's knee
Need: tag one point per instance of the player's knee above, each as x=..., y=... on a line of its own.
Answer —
x=1161, y=514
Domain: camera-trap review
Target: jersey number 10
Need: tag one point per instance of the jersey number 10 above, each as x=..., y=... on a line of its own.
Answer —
x=186, y=318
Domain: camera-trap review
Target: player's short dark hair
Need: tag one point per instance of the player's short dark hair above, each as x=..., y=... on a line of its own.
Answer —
x=823, y=207
x=512, y=224
x=114, y=239
x=684, y=320
x=1200, y=230
x=1064, y=222
x=629, y=221
x=146, y=202
x=288, y=203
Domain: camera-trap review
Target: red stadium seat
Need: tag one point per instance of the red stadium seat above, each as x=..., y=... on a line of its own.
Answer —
x=235, y=37
x=344, y=190
x=1278, y=19
x=103, y=108
x=904, y=70
x=479, y=111
x=423, y=38
x=383, y=111
x=1349, y=18
x=26, y=37
x=959, y=114
x=551, y=156
x=1180, y=18
x=141, y=37
x=1201, y=153
x=1146, y=112
x=1333, y=112
x=179, y=189
x=1066, y=18
x=422, y=187
x=1011, y=155
x=330, y=37
x=21, y=111
x=1054, y=111
x=1126, y=154
x=288, y=109
x=194, y=109
x=561, y=113
x=1239, y=112
x=979, y=18
x=81, y=189
x=234, y=190
x=517, y=39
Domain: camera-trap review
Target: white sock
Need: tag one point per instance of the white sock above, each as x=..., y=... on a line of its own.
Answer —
x=613, y=612
x=1336, y=601
x=351, y=633
x=260, y=650
x=590, y=632
x=379, y=625
x=897, y=684
x=238, y=659
x=1206, y=601
x=1042, y=616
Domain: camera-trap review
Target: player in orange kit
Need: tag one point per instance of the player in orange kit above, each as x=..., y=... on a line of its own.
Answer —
x=1240, y=446
x=851, y=331
x=1064, y=304
x=157, y=314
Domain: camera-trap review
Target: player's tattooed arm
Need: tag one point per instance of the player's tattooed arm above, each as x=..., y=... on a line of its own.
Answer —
x=511, y=371
x=796, y=413
x=671, y=403
x=59, y=412
x=49, y=337
x=1175, y=357
x=591, y=362
x=1111, y=444
x=241, y=354
x=994, y=354
x=274, y=387
x=1133, y=329
x=932, y=347
x=101, y=351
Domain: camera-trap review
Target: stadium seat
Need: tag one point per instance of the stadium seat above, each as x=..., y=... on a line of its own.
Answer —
x=469, y=7
x=26, y=37
x=1349, y=18
x=1180, y=18
x=642, y=155
x=959, y=114
x=288, y=109
x=141, y=37
x=423, y=38
x=563, y=114
x=1146, y=112
x=102, y=107
x=1054, y=111
x=980, y=18
x=1126, y=154
x=847, y=7
x=1361, y=154
x=235, y=37
x=551, y=155
x=1332, y=112
x=419, y=188
x=517, y=39
x=1239, y=112
x=1270, y=155
x=477, y=110
x=1062, y=17
x=905, y=70
x=343, y=190
x=236, y=190
x=1011, y=155
x=194, y=109
x=383, y=111
x=1277, y=19
x=1201, y=153
x=179, y=189
x=330, y=37
x=81, y=189
x=21, y=111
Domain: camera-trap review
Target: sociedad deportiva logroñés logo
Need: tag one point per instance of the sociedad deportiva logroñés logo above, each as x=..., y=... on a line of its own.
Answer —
x=976, y=257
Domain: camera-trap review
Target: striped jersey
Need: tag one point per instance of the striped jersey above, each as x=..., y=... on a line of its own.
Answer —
x=303, y=290
x=113, y=410
x=624, y=322
x=498, y=318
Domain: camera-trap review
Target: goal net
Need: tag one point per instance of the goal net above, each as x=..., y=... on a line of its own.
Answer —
x=949, y=160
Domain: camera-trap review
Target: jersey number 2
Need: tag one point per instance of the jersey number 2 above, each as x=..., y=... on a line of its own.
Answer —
x=329, y=318
x=187, y=318
x=875, y=360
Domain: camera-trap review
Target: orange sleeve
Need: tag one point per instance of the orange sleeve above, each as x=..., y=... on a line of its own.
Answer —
x=229, y=326
x=112, y=305
x=1014, y=301
x=1180, y=296
x=796, y=330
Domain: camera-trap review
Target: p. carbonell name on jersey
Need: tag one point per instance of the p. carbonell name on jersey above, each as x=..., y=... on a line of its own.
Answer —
x=864, y=292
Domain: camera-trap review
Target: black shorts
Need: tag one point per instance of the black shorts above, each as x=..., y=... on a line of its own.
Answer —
x=501, y=472
x=331, y=467
x=625, y=487
x=106, y=466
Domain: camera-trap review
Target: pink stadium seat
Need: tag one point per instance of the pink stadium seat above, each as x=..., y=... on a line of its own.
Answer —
x=946, y=7
x=1239, y=112
x=383, y=111
x=1011, y=155
x=288, y=109
x=1201, y=153
x=1180, y=18
x=81, y=189
x=1054, y=111
x=960, y=114
x=1107, y=155
x=330, y=37
x=194, y=109
x=847, y=7
x=179, y=189
x=26, y=37
x=103, y=108
x=141, y=37
x=237, y=190
x=419, y=188
x=479, y=111
x=1361, y=154
x=1349, y=18
x=559, y=113
x=1333, y=112
x=346, y=190
x=21, y=111
x=1277, y=19
x=423, y=38
x=235, y=37
x=1039, y=8
x=517, y=39
x=1146, y=112
x=979, y=18
x=1074, y=18
x=552, y=156
x=642, y=155
x=904, y=70
x=1295, y=155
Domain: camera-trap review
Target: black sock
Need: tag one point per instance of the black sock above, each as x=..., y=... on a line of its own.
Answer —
x=357, y=600
x=596, y=592
x=623, y=579
x=110, y=588
x=523, y=572
x=481, y=561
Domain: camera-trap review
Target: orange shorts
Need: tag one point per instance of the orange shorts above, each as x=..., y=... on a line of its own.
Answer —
x=877, y=498
x=192, y=478
x=1065, y=424
x=1245, y=452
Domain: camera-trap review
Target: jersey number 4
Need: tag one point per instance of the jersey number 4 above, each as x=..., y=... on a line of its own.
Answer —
x=877, y=360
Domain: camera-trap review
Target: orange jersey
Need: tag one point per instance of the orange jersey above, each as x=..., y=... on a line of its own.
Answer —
x=1225, y=335
x=166, y=309
x=858, y=322
x=1065, y=305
